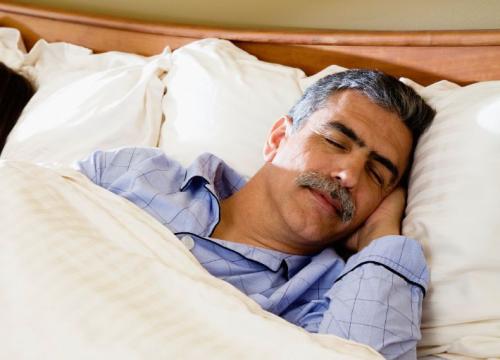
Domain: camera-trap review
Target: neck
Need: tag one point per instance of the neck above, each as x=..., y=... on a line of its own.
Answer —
x=248, y=217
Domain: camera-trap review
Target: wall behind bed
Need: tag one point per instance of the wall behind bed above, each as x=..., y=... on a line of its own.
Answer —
x=320, y=14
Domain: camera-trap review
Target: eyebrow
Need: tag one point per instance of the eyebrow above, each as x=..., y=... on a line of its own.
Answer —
x=347, y=131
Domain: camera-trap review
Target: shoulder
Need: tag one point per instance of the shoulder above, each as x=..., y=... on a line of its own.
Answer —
x=133, y=158
x=134, y=155
x=106, y=166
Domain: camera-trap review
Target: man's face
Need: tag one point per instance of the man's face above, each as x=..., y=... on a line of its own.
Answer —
x=350, y=143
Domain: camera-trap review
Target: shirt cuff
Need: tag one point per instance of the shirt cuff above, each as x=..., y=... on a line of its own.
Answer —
x=399, y=254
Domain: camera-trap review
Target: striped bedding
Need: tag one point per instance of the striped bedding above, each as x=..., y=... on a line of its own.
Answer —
x=85, y=274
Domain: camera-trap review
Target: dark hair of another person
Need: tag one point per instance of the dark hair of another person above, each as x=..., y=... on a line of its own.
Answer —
x=15, y=92
x=384, y=90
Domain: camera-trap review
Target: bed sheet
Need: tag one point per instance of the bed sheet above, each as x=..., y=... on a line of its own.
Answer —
x=86, y=274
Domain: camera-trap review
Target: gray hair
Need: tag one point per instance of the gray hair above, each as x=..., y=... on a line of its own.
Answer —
x=384, y=90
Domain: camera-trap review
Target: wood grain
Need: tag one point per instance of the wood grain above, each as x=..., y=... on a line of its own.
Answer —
x=425, y=56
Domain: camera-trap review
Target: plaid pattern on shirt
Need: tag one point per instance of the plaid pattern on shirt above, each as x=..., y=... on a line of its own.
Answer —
x=375, y=298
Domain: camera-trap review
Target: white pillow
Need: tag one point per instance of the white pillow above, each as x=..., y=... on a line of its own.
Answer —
x=454, y=209
x=223, y=100
x=12, y=48
x=86, y=102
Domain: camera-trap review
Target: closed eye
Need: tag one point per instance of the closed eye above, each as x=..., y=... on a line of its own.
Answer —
x=376, y=176
x=336, y=144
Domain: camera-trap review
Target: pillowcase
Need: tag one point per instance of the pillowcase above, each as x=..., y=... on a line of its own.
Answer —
x=222, y=100
x=12, y=48
x=86, y=102
x=453, y=209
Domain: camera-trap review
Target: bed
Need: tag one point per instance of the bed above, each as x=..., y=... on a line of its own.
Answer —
x=106, y=293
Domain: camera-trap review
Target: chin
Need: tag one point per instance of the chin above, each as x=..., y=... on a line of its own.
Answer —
x=317, y=239
x=315, y=228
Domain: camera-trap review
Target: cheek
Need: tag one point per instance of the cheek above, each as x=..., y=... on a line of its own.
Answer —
x=295, y=156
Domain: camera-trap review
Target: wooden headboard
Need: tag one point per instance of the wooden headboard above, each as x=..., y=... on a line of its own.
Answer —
x=424, y=56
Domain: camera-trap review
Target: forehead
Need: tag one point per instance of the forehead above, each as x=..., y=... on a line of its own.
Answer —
x=381, y=130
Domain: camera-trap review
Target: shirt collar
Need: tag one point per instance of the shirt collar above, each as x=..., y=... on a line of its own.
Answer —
x=217, y=176
x=272, y=259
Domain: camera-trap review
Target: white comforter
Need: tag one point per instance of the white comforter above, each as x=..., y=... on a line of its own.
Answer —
x=85, y=274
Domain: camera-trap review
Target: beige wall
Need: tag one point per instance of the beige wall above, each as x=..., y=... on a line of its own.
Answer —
x=327, y=14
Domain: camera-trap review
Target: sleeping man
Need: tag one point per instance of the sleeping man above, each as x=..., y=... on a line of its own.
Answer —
x=332, y=175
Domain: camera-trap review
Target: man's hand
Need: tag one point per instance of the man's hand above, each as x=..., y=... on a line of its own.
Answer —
x=385, y=220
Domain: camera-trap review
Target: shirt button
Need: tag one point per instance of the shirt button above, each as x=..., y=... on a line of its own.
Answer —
x=188, y=242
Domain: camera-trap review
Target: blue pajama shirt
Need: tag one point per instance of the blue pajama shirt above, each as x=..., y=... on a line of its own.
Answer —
x=374, y=298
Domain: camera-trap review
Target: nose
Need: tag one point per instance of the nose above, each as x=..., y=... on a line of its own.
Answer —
x=348, y=170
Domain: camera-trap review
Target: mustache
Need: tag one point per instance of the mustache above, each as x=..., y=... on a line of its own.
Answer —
x=327, y=185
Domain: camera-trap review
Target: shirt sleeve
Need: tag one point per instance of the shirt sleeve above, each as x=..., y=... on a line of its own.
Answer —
x=377, y=299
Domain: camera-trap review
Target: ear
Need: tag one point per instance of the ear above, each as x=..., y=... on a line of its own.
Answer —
x=279, y=132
